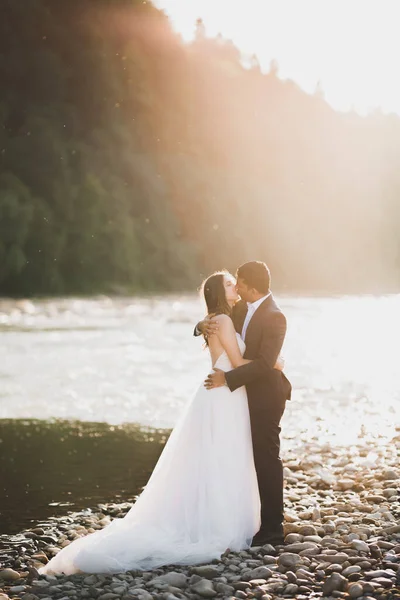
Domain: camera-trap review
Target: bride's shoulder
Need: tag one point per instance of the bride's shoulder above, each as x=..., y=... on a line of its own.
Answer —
x=222, y=319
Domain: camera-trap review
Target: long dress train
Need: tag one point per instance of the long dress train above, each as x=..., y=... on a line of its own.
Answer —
x=201, y=498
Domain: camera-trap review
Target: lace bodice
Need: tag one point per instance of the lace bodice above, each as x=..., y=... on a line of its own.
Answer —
x=223, y=361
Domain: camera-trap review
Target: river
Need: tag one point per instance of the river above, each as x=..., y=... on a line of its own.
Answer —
x=89, y=388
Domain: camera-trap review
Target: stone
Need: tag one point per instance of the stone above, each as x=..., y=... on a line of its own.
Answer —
x=289, y=560
x=293, y=538
x=290, y=528
x=38, y=530
x=49, y=539
x=392, y=529
x=257, y=582
x=91, y=580
x=307, y=530
x=334, y=568
x=269, y=560
x=225, y=589
x=41, y=557
x=303, y=573
x=204, y=588
x=368, y=587
x=316, y=539
x=173, y=578
x=383, y=582
x=385, y=545
x=241, y=585
x=119, y=590
x=360, y=546
x=234, y=568
x=260, y=573
x=275, y=587
x=390, y=474
x=42, y=583
x=339, y=558
x=334, y=583
x=345, y=484
x=291, y=577
x=145, y=595
x=299, y=546
x=388, y=573
x=350, y=570
x=310, y=552
x=53, y=550
x=17, y=589
x=355, y=590
x=206, y=571
x=375, y=499
x=291, y=589
x=268, y=549
x=9, y=575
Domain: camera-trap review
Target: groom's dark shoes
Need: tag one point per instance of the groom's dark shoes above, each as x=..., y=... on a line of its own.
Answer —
x=275, y=538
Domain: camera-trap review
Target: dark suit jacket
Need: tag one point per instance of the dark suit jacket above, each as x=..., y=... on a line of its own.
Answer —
x=264, y=339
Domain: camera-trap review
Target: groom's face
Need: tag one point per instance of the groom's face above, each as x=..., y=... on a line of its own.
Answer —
x=244, y=292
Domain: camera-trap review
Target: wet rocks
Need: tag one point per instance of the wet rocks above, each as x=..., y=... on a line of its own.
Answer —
x=334, y=583
x=9, y=575
x=204, y=588
x=342, y=540
x=260, y=573
x=206, y=571
x=289, y=560
x=178, y=580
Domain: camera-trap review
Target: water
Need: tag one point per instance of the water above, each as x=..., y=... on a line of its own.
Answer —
x=98, y=363
x=48, y=468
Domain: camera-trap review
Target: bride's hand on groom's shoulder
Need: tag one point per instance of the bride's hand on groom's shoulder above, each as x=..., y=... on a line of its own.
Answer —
x=207, y=326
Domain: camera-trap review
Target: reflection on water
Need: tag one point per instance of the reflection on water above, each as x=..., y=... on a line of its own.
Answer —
x=111, y=361
x=48, y=468
x=119, y=360
x=104, y=360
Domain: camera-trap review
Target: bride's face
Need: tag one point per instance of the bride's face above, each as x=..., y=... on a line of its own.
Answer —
x=230, y=289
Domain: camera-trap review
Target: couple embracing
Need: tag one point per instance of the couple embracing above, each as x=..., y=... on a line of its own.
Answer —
x=218, y=483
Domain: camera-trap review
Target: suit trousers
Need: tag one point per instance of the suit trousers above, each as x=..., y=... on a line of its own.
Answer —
x=265, y=429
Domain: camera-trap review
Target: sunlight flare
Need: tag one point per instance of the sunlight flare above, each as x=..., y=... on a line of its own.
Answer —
x=350, y=49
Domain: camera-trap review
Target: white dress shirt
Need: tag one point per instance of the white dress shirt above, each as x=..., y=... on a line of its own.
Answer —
x=251, y=309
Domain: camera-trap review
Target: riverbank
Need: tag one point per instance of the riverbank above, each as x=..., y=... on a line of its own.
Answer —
x=342, y=529
x=50, y=467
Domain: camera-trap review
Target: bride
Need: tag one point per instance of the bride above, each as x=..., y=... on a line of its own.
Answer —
x=202, y=497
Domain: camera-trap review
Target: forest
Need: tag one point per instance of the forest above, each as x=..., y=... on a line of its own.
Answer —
x=131, y=162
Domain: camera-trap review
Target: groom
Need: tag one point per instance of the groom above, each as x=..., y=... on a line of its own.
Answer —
x=262, y=326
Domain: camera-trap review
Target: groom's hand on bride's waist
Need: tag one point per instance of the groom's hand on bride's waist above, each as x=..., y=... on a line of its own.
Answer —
x=216, y=379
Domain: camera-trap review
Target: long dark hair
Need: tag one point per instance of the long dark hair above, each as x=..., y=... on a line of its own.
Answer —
x=214, y=294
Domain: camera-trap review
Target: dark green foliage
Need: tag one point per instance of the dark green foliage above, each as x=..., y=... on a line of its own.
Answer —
x=131, y=162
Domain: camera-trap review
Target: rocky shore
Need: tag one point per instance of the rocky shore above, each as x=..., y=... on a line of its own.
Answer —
x=342, y=540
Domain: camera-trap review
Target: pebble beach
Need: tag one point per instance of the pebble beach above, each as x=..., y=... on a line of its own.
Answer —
x=342, y=540
x=340, y=445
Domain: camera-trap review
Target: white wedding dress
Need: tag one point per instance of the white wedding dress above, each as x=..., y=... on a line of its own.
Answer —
x=201, y=498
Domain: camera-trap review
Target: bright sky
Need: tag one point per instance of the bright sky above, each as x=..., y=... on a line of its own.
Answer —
x=351, y=46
